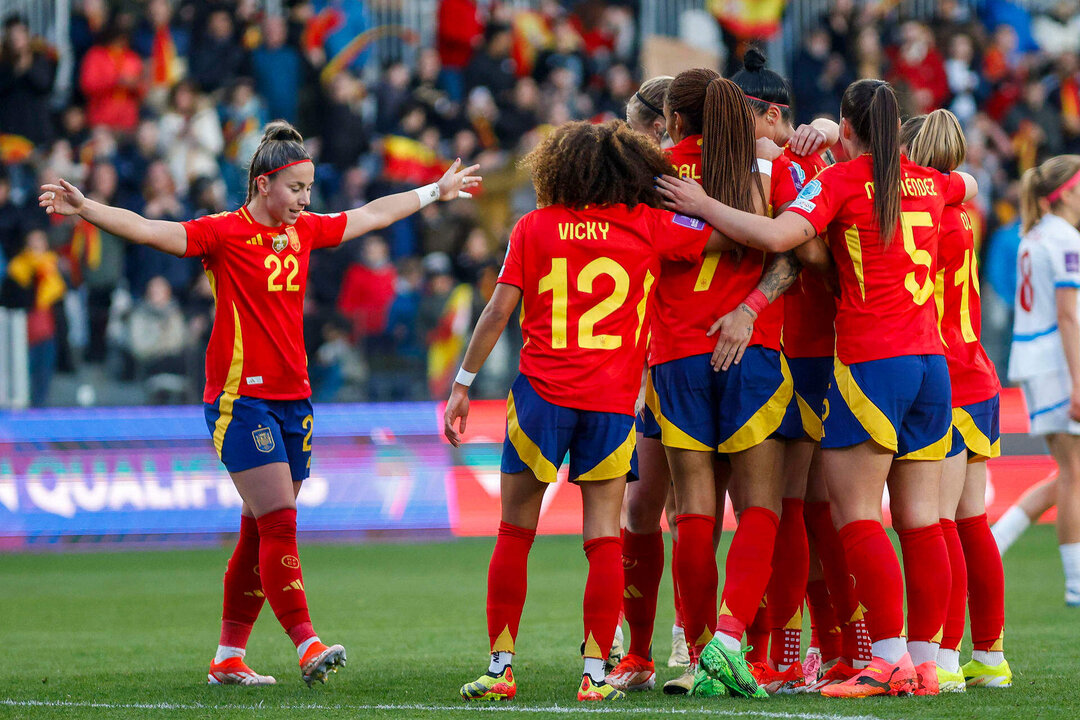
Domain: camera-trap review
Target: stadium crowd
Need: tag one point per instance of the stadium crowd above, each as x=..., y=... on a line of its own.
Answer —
x=169, y=98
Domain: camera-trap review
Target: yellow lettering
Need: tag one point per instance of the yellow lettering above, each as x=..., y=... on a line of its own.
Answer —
x=564, y=231
x=604, y=227
x=869, y=187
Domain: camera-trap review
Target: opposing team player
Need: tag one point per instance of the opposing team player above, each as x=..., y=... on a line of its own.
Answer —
x=888, y=412
x=1045, y=355
x=256, y=397
x=584, y=264
x=937, y=141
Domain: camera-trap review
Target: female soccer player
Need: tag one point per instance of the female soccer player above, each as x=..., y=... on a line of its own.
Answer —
x=808, y=311
x=937, y=141
x=584, y=265
x=720, y=396
x=257, y=390
x=1045, y=355
x=889, y=416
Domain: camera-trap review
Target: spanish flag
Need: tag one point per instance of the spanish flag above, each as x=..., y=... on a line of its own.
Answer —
x=41, y=270
x=1070, y=102
x=748, y=19
x=532, y=33
x=14, y=149
x=165, y=66
x=408, y=161
x=84, y=250
x=447, y=341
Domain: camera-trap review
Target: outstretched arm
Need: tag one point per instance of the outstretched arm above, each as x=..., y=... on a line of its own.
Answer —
x=385, y=211
x=488, y=329
x=66, y=199
x=777, y=235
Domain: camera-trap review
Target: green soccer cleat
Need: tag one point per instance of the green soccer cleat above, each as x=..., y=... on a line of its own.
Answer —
x=730, y=668
x=949, y=682
x=977, y=674
x=491, y=687
x=707, y=687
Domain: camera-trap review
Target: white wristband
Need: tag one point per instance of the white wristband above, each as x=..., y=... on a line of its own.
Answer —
x=764, y=166
x=464, y=377
x=427, y=194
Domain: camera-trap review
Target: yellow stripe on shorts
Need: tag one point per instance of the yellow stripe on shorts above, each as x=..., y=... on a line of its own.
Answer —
x=527, y=450
x=616, y=464
x=869, y=415
x=766, y=420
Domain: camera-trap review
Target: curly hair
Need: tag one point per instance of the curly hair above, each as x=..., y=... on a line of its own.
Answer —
x=581, y=164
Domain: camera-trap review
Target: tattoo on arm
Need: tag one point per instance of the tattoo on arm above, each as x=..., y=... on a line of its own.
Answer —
x=780, y=275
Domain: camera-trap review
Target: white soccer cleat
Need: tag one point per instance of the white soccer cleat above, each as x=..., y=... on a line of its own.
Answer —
x=233, y=671
x=680, y=654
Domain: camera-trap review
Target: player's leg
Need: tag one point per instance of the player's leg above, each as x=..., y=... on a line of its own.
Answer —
x=1031, y=506
x=1065, y=449
x=986, y=585
x=680, y=655
x=953, y=478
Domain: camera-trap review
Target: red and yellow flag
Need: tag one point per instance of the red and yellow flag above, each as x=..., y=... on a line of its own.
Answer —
x=447, y=341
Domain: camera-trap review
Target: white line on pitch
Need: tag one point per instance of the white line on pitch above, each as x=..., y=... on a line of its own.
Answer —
x=556, y=709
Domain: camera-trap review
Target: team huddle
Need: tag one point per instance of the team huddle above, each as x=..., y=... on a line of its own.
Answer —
x=736, y=316
x=809, y=333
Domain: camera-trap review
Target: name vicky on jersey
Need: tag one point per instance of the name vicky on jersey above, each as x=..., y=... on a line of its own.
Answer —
x=583, y=230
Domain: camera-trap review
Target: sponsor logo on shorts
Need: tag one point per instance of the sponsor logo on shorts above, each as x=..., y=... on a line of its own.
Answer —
x=290, y=561
x=264, y=439
x=1072, y=262
x=254, y=380
x=689, y=222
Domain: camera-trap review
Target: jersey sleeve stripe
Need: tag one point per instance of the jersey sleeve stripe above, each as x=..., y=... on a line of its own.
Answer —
x=1067, y=284
x=1036, y=335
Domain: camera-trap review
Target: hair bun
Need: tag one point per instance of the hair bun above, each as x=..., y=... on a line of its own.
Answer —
x=283, y=131
x=753, y=59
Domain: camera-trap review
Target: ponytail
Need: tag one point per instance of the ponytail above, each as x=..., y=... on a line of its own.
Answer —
x=727, y=148
x=1039, y=183
x=281, y=145
x=937, y=141
x=871, y=108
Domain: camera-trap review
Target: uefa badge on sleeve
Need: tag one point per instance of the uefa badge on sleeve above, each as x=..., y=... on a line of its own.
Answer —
x=264, y=439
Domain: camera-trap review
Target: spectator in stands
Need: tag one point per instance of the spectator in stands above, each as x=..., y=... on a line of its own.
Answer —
x=963, y=80
x=460, y=32
x=520, y=116
x=191, y=138
x=133, y=157
x=26, y=79
x=157, y=338
x=12, y=219
x=161, y=202
x=1035, y=126
x=242, y=116
x=217, y=56
x=818, y=77
x=368, y=289
x=164, y=47
x=278, y=70
x=103, y=268
x=402, y=325
x=918, y=66
x=112, y=78
x=427, y=90
x=344, y=132
x=491, y=66
x=475, y=256
x=34, y=284
x=87, y=23
x=438, y=284
x=392, y=98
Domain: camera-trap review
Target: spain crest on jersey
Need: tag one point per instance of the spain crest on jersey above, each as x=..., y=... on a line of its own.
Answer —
x=294, y=238
x=278, y=242
x=264, y=439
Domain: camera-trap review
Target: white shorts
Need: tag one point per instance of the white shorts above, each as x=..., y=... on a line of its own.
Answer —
x=1047, y=398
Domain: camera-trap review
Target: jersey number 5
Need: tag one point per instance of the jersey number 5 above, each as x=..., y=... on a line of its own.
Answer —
x=556, y=282
x=922, y=258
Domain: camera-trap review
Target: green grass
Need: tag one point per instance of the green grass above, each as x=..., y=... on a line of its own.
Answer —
x=132, y=629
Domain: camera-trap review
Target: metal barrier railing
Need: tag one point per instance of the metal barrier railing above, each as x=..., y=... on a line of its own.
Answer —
x=14, y=360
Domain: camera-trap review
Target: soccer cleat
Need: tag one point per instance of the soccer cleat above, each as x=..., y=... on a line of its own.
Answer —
x=682, y=684
x=233, y=671
x=597, y=691
x=977, y=674
x=812, y=666
x=680, y=654
x=730, y=668
x=319, y=661
x=618, y=650
x=880, y=677
x=838, y=673
x=707, y=687
x=950, y=681
x=632, y=674
x=491, y=687
x=786, y=682
x=926, y=675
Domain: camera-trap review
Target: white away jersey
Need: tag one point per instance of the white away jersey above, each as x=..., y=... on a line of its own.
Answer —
x=1048, y=258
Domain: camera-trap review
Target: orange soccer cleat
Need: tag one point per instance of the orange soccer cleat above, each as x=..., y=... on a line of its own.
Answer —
x=926, y=675
x=633, y=673
x=838, y=673
x=233, y=671
x=880, y=677
x=319, y=661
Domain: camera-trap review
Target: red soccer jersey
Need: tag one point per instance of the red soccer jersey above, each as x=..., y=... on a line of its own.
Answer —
x=585, y=277
x=692, y=294
x=809, y=306
x=973, y=376
x=784, y=186
x=885, y=307
x=258, y=275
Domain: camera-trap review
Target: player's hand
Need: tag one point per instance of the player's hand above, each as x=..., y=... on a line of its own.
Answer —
x=733, y=333
x=807, y=140
x=766, y=149
x=456, y=183
x=457, y=407
x=1074, y=404
x=62, y=199
x=682, y=196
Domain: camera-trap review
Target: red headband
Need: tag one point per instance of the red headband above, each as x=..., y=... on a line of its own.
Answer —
x=294, y=162
x=1052, y=197
x=767, y=102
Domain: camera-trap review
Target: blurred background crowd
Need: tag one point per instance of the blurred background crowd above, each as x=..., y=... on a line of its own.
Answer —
x=166, y=100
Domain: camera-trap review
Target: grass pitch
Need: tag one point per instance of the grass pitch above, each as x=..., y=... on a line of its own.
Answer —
x=130, y=634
